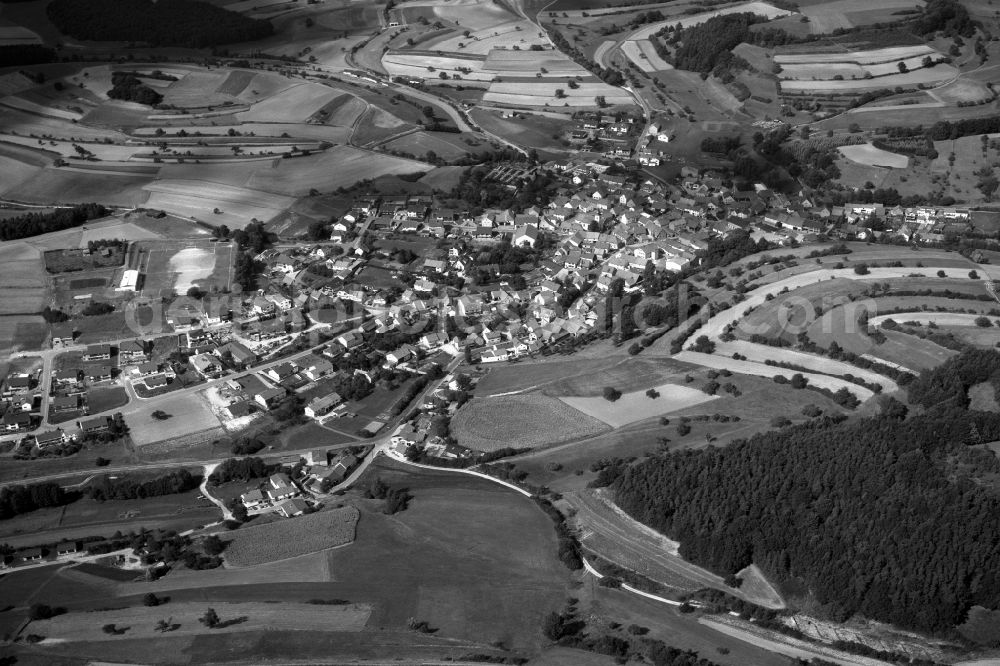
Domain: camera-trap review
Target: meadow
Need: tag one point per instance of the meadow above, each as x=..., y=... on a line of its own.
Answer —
x=488, y=424
x=638, y=406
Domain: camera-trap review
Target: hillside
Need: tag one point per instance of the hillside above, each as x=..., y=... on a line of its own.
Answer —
x=188, y=23
x=881, y=516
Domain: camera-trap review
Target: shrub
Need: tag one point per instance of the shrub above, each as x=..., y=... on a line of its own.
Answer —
x=611, y=393
x=861, y=269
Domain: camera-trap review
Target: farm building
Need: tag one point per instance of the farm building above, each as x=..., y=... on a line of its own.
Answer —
x=30, y=555
x=69, y=547
x=241, y=356
x=14, y=421
x=267, y=398
x=281, y=372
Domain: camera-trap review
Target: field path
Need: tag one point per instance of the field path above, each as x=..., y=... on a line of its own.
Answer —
x=209, y=468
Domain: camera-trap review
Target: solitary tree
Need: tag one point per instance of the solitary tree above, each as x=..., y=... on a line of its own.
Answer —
x=210, y=619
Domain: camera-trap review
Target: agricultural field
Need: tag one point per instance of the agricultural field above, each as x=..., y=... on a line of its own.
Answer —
x=292, y=537
x=825, y=17
x=23, y=284
x=545, y=134
x=138, y=622
x=869, y=155
x=638, y=406
x=758, y=8
x=197, y=199
x=531, y=93
x=487, y=424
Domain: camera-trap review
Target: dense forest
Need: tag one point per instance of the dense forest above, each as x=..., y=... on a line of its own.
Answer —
x=33, y=224
x=709, y=45
x=128, y=87
x=187, y=23
x=885, y=516
x=25, y=54
x=15, y=500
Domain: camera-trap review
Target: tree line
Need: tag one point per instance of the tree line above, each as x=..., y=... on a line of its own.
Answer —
x=186, y=23
x=33, y=224
x=881, y=516
x=108, y=488
x=15, y=500
x=25, y=54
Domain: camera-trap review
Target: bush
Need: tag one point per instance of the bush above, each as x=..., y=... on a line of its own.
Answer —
x=861, y=269
x=611, y=393
x=983, y=322
x=150, y=599
x=780, y=422
x=703, y=344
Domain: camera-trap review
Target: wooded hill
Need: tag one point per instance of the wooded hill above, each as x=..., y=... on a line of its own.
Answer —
x=890, y=517
x=188, y=23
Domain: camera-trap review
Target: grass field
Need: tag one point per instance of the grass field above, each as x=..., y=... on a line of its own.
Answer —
x=869, y=155
x=825, y=17
x=637, y=406
x=174, y=266
x=539, y=132
x=248, y=617
x=104, y=399
x=292, y=537
x=86, y=517
x=190, y=413
x=199, y=199
x=23, y=287
x=487, y=424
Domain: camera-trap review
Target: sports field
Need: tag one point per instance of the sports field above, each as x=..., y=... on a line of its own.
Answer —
x=178, y=265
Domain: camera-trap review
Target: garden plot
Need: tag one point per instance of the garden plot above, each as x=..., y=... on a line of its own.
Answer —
x=251, y=546
x=530, y=420
x=530, y=93
x=237, y=205
x=294, y=105
x=758, y=8
x=869, y=155
x=638, y=406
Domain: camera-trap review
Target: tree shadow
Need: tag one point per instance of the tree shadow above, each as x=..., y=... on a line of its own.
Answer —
x=230, y=623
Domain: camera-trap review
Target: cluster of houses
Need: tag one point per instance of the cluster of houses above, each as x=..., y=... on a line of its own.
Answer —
x=279, y=495
x=18, y=399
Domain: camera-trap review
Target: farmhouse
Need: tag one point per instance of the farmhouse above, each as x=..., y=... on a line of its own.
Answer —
x=64, y=403
x=99, y=373
x=14, y=421
x=17, y=384
x=30, y=555
x=281, y=487
x=239, y=353
x=63, y=334
x=67, y=376
x=69, y=547
x=281, y=372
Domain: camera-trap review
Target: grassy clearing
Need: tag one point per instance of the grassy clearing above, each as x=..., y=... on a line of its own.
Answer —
x=104, y=399
x=487, y=424
x=190, y=413
x=292, y=537
x=637, y=406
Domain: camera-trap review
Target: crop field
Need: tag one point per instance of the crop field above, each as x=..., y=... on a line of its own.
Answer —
x=444, y=178
x=444, y=145
x=22, y=333
x=337, y=167
x=198, y=199
x=22, y=279
x=487, y=424
x=869, y=155
x=825, y=17
x=519, y=32
x=533, y=93
x=758, y=8
x=292, y=537
x=65, y=185
x=637, y=406
x=294, y=105
x=912, y=78
x=189, y=413
x=961, y=90
x=14, y=171
x=402, y=63
x=178, y=265
x=867, y=57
